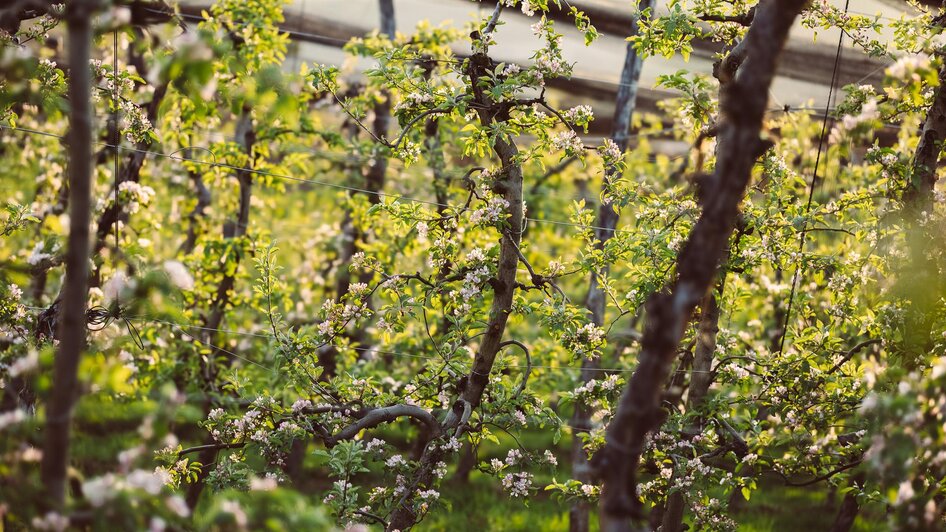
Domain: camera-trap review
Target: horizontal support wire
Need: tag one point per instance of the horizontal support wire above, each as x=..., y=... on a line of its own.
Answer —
x=395, y=197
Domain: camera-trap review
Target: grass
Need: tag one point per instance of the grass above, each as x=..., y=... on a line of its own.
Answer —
x=481, y=505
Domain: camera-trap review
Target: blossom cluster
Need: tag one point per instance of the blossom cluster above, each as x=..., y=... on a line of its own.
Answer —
x=568, y=142
x=490, y=214
x=133, y=195
x=585, y=341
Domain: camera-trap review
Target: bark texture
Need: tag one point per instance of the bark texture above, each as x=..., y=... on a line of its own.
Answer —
x=65, y=389
x=919, y=194
x=742, y=105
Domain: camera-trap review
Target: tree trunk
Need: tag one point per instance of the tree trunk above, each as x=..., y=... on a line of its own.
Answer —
x=465, y=464
x=509, y=184
x=65, y=387
x=921, y=281
x=236, y=228
x=198, y=212
x=352, y=235
x=700, y=381
x=742, y=106
x=595, y=300
x=847, y=513
x=919, y=195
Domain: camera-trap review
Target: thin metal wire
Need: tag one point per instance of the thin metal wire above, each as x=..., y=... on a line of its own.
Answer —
x=811, y=192
x=182, y=326
x=396, y=197
x=220, y=349
x=334, y=41
x=118, y=140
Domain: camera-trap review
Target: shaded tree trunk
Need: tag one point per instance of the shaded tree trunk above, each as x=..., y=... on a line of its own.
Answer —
x=921, y=281
x=65, y=389
x=193, y=218
x=465, y=464
x=596, y=299
x=352, y=235
x=847, y=512
x=234, y=228
x=509, y=184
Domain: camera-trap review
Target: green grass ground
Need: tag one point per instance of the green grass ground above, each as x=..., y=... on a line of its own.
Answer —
x=481, y=506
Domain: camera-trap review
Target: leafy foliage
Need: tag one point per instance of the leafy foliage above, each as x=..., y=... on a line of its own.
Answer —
x=295, y=276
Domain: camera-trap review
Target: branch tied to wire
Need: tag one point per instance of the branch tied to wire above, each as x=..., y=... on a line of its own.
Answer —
x=99, y=317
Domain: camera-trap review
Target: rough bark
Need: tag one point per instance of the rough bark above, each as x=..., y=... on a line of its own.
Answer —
x=596, y=299
x=75, y=294
x=742, y=105
x=919, y=194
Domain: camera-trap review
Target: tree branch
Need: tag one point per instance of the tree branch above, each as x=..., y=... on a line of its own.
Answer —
x=385, y=415
x=821, y=478
x=744, y=19
x=210, y=446
x=853, y=351
x=65, y=389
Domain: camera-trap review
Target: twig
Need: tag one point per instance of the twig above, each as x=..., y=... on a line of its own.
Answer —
x=853, y=351
x=210, y=446
x=525, y=375
x=743, y=19
x=493, y=19
x=824, y=477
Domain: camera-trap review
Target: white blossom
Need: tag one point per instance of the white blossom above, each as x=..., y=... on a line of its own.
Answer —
x=51, y=521
x=12, y=417
x=568, y=142
x=179, y=275
x=517, y=484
